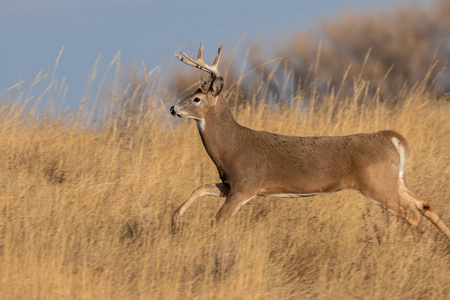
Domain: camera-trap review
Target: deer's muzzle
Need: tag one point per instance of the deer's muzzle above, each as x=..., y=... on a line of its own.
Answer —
x=173, y=113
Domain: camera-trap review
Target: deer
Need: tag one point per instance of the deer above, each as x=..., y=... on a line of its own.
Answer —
x=258, y=163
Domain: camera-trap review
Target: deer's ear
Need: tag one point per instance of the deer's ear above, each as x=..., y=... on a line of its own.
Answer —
x=216, y=86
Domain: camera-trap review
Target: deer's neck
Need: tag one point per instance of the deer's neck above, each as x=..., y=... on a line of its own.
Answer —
x=221, y=135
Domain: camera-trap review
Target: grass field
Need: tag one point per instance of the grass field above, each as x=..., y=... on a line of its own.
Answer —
x=85, y=210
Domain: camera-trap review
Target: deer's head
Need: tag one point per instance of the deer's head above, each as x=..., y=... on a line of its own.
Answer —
x=197, y=105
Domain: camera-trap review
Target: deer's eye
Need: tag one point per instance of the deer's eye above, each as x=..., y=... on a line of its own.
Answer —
x=197, y=100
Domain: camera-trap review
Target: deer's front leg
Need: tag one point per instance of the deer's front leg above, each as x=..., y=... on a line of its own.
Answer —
x=233, y=203
x=215, y=189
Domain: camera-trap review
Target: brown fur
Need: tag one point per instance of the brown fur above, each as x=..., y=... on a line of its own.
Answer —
x=252, y=163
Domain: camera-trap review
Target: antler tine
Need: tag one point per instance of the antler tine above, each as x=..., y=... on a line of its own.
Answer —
x=185, y=60
x=219, y=55
x=200, y=52
x=200, y=63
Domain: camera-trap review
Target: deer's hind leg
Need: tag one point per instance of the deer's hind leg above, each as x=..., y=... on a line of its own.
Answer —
x=423, y=207
x=215, y=189
x=389, y=196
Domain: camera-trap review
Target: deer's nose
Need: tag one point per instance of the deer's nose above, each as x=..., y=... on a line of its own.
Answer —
x=172, y=110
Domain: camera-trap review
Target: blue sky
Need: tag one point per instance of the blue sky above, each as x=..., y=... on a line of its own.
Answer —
x=32, y=32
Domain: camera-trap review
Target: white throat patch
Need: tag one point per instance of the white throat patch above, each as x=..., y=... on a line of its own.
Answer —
x=200, y=124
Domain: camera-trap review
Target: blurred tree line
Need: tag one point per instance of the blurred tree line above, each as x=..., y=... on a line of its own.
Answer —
x=390, y=50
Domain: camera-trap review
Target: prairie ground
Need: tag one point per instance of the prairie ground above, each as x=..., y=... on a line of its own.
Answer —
x=85, y=211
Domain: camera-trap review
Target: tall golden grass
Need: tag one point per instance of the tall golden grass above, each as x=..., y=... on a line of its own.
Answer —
x=85, y=207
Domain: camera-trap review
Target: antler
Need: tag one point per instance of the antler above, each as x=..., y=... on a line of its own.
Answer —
x=199, y=63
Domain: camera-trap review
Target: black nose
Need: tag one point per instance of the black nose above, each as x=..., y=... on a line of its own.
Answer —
x=172, y=110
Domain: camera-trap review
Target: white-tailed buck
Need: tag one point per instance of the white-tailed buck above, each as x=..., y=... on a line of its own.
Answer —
x=259, y=163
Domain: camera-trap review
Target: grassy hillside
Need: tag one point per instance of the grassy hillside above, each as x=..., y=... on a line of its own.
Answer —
x=85, y=210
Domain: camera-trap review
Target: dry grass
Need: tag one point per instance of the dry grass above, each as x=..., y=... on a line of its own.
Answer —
x=85, y=213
